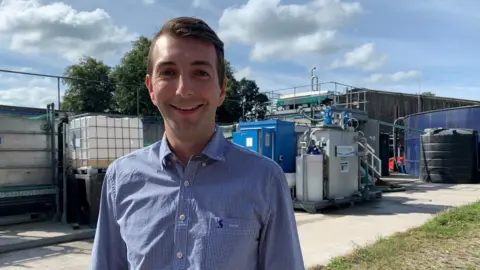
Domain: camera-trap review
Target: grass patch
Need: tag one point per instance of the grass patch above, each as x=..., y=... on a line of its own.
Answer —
x=450, y=240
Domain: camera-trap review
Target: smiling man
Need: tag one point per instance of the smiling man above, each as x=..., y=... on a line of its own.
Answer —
x=193, y=200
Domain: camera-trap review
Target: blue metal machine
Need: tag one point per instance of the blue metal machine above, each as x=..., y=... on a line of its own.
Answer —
x=274, y=139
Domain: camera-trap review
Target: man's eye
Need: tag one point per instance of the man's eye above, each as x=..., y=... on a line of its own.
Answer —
x=201, y=73
x=166, y=73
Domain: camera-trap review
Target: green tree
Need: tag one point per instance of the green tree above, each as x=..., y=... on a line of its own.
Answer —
x=231, y=109
x=243, y=100
x=129, y=76
x=428, y=93
x=254, y=103
x=92, y=89
x=259, y=108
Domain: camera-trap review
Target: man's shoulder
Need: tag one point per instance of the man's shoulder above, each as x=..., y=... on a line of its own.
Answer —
x=134, y=160
x=254, y=159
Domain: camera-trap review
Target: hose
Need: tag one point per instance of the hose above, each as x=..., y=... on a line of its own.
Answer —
x=354, y=123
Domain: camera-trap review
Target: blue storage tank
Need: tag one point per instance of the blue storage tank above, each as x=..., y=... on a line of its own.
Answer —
x=461, y=117
x=274, y=139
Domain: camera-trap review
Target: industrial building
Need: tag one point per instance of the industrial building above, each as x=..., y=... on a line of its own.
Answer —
x=374, y=104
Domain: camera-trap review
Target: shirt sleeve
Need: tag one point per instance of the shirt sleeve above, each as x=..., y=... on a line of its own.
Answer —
x=109, y=250
x=279, y=244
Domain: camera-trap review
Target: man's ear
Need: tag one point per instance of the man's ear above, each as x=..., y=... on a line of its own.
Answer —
x=223, y=91
x=148, y=84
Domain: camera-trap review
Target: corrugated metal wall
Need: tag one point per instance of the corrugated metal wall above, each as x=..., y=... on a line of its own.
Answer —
x=387, y=107
x=465, y=117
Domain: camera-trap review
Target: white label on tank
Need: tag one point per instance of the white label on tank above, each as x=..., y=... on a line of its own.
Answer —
x=249, y=142
x=344, y=166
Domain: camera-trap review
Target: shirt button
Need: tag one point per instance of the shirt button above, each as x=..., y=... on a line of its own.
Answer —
x=182, y=217
x=186, y=183
x=204, y=164
x=179, y=255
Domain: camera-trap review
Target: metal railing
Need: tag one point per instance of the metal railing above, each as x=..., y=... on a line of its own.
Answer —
x=373, y=162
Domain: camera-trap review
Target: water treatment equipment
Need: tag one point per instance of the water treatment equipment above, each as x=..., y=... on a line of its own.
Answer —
x=328, y=169
x=340, y=149
x=271, y=138
x=309, y=178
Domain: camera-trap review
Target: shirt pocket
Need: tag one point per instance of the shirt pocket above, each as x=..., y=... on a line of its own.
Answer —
x=232, y=243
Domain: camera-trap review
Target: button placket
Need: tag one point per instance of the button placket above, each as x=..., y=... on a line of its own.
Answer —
x=183, y=212
x=182, y=221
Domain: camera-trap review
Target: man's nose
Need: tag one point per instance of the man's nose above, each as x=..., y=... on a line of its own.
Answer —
x=185, y=87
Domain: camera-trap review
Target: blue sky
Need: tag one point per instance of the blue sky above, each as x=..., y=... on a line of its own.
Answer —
x=405, y=46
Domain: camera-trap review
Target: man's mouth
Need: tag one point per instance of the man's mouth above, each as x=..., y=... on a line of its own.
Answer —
x=186, y=108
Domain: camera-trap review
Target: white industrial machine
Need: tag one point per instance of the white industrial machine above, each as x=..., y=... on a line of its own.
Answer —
x=328, y=169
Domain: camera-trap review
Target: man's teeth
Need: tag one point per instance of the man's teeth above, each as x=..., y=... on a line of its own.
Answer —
x=188, y=108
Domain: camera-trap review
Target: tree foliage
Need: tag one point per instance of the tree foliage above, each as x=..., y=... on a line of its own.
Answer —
x=120, y=87
x=130, y=78
x=428, y=93
x=92, y=89
x=243, y=100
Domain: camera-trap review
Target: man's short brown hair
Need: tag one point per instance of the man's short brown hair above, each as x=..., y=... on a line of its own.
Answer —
x=195, y=28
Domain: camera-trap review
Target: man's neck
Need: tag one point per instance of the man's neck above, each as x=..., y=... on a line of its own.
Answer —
x=184, y=148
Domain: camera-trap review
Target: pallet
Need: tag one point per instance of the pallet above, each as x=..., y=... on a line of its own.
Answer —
x=314, y=207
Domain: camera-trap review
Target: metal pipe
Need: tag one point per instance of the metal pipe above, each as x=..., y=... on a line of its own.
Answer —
x=311, y=71
x=58, y=89
x=314, y=79
x=419, y=103
x=51, y=129
x=314, y=83
x=64, y=171
x=395, y=138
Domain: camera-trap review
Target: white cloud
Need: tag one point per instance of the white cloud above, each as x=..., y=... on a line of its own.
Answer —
x=397, y=77
x=28, y=91
x=206, y=5
x=287, y=30
x=148, y=2
x=245, y=72
x=28, y=26
x=362, y=57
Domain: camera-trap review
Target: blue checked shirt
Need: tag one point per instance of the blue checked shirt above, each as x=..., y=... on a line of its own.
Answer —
x=228, y=209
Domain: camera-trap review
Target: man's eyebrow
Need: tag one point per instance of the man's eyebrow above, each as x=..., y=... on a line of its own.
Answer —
x=194, y=63
x=164, y=63
x=201, y=63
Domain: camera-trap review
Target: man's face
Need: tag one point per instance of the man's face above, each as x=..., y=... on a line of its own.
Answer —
x=184, y=84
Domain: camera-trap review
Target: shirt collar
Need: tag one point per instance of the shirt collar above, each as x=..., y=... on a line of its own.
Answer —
x=213, y=150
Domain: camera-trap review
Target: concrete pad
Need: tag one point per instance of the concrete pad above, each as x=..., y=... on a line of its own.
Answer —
x=336, y=233
x=71, y=256
x=30, y=235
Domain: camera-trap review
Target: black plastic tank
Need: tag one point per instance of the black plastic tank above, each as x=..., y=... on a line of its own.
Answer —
x=449, y=156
